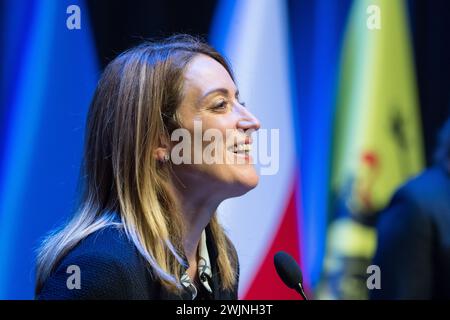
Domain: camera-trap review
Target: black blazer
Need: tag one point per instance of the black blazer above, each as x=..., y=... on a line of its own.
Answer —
x=414, y=240
x=112, y=268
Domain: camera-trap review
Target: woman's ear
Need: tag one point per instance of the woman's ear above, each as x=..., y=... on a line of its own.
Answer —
x=161, y=154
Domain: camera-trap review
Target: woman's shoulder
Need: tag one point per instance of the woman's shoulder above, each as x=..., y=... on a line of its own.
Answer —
x=104, y=265
x=109, y=243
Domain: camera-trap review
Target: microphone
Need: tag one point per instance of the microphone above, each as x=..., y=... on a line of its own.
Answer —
x=289, y=271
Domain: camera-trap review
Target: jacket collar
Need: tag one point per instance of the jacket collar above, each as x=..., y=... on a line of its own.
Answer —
x=203, y=269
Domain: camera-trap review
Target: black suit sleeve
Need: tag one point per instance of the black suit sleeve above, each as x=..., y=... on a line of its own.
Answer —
x=102, y=277
x=404, y=252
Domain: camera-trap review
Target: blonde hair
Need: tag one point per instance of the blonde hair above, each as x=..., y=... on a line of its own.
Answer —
x=134, y=105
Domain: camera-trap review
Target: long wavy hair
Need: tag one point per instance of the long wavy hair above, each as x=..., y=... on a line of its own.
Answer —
x=134, y=105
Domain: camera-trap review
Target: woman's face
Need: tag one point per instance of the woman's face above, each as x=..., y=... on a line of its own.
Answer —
x=211, y=101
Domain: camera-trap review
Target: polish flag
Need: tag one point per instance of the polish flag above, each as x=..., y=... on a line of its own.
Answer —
x=253, y=35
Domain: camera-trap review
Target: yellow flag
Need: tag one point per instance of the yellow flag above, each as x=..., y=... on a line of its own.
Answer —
x=378, y=140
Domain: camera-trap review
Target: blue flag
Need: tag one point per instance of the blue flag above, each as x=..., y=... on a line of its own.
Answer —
x=49, y=73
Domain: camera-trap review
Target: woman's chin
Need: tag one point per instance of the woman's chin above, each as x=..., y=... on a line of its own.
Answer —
x=246, y=181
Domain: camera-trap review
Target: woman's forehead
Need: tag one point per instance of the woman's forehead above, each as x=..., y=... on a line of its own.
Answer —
x=204, y=74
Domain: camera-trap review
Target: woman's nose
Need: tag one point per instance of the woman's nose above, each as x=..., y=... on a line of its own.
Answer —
x=248, y=121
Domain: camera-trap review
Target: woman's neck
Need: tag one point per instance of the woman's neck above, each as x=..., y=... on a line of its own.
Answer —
x=197, y=209
x=197, y=213
x=198, y=199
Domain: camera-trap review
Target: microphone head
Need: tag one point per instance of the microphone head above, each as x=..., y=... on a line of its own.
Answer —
x=288, y=269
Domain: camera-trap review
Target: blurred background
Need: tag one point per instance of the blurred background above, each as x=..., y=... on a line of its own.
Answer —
x=358, y=90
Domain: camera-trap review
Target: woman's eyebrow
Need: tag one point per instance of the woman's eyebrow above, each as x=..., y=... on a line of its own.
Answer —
x=224, y=91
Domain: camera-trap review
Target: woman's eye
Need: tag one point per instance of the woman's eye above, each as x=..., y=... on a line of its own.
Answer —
x=221, y=105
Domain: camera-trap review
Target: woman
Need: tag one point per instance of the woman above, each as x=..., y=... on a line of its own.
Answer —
x=147, y=227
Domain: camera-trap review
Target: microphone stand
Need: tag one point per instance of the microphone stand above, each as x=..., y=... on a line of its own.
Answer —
x=299, y=289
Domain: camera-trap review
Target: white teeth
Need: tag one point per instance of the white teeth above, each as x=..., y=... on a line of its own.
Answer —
x=241, y=148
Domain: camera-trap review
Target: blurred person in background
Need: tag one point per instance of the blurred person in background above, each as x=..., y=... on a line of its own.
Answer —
x=147, y=228
x=414, y=234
